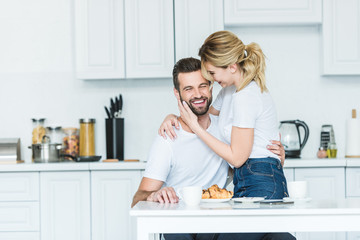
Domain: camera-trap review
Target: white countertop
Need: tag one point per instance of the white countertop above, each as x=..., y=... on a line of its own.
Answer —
x=94, y=166
x=72, y=166
x=348, y=206
x=315, y=162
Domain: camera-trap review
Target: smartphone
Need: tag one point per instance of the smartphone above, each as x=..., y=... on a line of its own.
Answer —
x=275, y=201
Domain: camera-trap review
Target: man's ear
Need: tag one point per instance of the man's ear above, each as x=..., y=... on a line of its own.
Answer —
x=177, y=94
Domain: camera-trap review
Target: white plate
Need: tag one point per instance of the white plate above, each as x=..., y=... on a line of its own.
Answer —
x=215, y=200
x=248, y=199
x=287, y=199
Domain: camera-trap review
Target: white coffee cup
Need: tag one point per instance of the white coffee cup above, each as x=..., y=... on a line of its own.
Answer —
x=191, y=195
x=297, y=189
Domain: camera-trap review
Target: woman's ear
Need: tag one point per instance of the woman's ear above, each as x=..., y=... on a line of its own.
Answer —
x=177, y=94
x=233, y=67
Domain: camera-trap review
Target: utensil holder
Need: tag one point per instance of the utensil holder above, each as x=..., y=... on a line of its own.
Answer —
x=114, y=138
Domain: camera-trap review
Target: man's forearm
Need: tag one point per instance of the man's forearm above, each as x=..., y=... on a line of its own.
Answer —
x=140, y=195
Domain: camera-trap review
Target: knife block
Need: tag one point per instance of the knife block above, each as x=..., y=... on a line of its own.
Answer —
x=114, y=138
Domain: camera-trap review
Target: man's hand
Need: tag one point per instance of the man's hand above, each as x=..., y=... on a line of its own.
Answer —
x=164, y=195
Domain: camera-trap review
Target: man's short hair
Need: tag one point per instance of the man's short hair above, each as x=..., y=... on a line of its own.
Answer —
x=184, y=65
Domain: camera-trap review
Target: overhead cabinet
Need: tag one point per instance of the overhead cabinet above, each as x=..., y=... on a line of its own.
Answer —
x=341, y=31
x=124, y=39
x=272, y=12
x=194, y=22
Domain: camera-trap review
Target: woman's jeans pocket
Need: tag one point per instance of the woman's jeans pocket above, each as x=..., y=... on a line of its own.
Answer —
x=260, y=177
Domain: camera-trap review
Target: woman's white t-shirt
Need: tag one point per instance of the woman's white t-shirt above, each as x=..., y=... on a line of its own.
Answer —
x=248, y=108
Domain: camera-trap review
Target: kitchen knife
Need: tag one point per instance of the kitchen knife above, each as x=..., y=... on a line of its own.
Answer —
x=120, y=104
x=107, y=112
x=113, y=106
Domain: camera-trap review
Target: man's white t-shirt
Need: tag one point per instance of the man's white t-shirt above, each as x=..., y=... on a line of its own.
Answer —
x=186, y=161
x=248, y=108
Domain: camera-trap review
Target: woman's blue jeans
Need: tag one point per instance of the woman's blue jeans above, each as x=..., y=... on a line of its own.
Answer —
x=260, y=177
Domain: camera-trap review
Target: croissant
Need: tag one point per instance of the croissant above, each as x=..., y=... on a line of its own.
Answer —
x=214, y=192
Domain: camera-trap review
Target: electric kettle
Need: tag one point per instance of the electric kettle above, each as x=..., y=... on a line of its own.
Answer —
x=291, y=139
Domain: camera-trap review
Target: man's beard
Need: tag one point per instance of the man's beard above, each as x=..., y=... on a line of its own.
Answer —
x=202, y=111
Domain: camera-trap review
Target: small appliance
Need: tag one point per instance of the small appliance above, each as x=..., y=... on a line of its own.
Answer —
x=291, y=137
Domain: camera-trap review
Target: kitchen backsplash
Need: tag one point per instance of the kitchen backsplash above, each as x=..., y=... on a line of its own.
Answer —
x=38, y=80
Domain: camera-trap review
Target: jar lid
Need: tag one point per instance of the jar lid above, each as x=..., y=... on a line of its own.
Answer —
x=70, y=130
x=87, y=120
x=53, y=128
x=40, y=120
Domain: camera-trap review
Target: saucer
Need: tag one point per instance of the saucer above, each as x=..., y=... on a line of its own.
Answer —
x=287, y=199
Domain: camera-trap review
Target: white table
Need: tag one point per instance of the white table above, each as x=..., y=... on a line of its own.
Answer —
x=313, y=216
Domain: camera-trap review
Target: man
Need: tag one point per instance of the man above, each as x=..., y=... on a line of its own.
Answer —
x=187, y=160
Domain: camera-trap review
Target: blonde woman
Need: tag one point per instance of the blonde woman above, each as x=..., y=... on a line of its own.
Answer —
x=247, y=116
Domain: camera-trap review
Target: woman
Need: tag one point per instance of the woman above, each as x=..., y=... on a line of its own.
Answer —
x=247, y=115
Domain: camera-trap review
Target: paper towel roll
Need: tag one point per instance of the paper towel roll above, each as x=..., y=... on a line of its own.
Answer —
x=352, y=138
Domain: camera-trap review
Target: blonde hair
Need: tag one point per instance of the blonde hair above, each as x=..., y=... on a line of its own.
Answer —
x=223, y=48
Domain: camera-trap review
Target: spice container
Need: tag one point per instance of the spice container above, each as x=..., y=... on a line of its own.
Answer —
x=322, y=153
x=87, y=137
x=39, y=130
x=71, y=141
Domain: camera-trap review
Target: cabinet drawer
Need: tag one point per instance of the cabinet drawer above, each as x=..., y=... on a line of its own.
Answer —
x=352, y=182
x=19, y=216
x=20, y=235
x=19, y=186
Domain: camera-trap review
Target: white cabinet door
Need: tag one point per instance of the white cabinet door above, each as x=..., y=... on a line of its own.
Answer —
x=341, y=44
x=323, y=183
x=353, y=236
x=20, y=235
x=22, y=186
x=272, y=12
x=352, y=182
x=99, y=30
x=65, y=205
x=289, y=174
x=112, y=193
x=194, y=22
x=321, y=236
x=149, y=38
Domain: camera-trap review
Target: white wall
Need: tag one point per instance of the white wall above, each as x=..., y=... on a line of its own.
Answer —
x=37, y=79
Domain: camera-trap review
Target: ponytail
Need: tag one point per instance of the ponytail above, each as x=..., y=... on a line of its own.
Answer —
x=253, y=66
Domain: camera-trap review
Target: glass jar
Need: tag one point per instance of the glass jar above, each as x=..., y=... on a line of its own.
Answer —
x=39, y=131
x=71, y=142
x=331, y=150
x=54, y=134
x=87, y=137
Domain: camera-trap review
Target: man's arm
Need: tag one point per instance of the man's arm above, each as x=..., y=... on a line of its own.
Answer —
x=146, y=188
x=150, y=190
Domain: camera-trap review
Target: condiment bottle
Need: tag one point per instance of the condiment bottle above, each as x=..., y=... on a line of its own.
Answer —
x=321, y=153
x=87, y=137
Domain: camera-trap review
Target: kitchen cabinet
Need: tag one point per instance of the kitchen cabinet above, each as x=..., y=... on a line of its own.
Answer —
x=111, y=195
x=340, y=37
x=289, y=174
x=273, y=12
x=99, y=39
x=108, y=33
x=323, y=183
x=353, y=236
x=194, y=22
x=149, y=38
x=19, y=205
x=352, y=182
x=65, y=205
